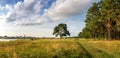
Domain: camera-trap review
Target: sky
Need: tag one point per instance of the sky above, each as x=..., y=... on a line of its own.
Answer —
x=37, y=18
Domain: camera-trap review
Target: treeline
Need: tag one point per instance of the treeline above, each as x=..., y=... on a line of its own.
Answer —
x=103, y=20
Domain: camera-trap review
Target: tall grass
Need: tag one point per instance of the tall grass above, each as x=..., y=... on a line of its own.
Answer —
x=60, y=48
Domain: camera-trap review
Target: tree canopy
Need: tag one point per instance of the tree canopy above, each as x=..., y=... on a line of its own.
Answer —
x=61, y=30
x=103, y=20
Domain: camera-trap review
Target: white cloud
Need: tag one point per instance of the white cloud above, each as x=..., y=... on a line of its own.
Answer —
x=0, y=7
x=28, y=12
x=37, y=7
x=33, y=20
x=65, y=8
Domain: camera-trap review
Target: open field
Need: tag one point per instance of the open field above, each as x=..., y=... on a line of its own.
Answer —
x=60, y=48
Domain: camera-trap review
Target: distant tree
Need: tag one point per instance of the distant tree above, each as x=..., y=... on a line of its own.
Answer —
x=61, y=30
x=5, y=36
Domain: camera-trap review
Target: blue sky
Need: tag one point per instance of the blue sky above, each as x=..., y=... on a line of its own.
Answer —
x=39, y=17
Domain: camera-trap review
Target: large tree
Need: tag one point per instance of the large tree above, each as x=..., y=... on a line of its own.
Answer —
x=61, y=30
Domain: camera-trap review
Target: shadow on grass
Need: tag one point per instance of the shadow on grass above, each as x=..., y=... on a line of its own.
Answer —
x=87, y=54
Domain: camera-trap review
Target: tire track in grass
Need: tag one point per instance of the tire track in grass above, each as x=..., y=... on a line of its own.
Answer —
x=87, y=54
x=96, y=52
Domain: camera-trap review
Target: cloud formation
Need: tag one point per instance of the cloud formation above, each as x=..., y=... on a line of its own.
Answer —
x=65, y=8
x=28, y=12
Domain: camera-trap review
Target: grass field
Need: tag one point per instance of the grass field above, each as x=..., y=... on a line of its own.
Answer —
x=60, y=48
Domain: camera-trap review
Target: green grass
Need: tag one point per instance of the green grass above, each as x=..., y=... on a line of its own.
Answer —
x=60, y=48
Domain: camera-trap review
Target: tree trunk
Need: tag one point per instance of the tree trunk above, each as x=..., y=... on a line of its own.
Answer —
x=95, y=36
x=61, y=36
x=109, y=30
x=109, y=34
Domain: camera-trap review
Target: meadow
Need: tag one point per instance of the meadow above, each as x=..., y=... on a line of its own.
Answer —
x=60, y=48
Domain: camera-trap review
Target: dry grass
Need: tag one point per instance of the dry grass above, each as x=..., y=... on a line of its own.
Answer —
x=60, y=48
